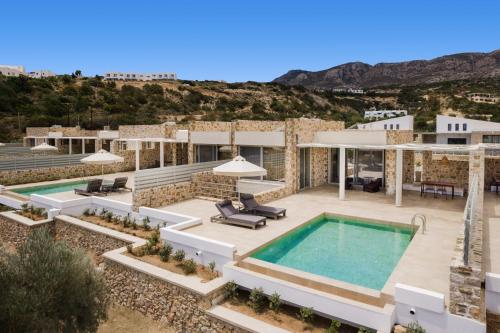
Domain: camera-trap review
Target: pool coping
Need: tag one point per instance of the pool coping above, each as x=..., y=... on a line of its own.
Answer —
x=319, y=282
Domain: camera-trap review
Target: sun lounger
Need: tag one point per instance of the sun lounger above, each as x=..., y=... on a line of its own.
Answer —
x=253, y=207
x=93, y=188
x=230, y=215
x=118, y=185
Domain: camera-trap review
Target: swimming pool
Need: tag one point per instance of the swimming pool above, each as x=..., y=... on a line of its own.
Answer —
x=351, y=250
x=51, y=188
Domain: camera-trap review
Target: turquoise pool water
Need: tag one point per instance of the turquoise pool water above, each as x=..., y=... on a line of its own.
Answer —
x=51, y=188
x=354, y=251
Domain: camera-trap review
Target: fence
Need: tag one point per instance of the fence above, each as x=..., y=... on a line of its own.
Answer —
x=148, y=178
x=470, y=216
x=43, y=161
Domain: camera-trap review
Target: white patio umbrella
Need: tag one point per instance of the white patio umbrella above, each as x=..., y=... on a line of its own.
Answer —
x=44, y=147
x=2, y=144
x=101, y=158
x=239, y=167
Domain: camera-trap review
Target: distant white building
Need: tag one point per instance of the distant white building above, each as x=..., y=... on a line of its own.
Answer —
x=12, y=70
x=133, y=76
x=348, y=90
x=404, y=123
x=40, y=74
x=378, y=114
x=455, y=130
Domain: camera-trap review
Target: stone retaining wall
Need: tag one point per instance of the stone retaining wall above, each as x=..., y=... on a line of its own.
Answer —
x=160, y=196
x=173, y=306
x=15, y=229
x=83, y=238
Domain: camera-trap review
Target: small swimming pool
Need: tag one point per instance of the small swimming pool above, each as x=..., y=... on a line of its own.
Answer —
x=51, y=188
x=351, y=250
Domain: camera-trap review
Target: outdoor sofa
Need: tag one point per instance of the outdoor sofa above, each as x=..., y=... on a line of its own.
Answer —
x=93, y=188
x=119, y=184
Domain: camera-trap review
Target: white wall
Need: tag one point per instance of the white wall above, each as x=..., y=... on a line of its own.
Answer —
x=211, y=138
x=472, y=125
x=351, y=137
x=493, y=292
x=428, y=308
x=254, y=138
x=404, y=123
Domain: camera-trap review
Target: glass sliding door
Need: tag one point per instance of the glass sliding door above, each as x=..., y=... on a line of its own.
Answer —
x=253, y=155
x=333, y=176
x=305, y=167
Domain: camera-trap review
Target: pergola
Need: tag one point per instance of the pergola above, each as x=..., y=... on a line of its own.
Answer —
x=399, y=148
x=138, y=143
x=70, y=138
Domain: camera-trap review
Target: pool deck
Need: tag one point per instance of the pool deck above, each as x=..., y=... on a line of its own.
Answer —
x=68, y=195
x=425, y=263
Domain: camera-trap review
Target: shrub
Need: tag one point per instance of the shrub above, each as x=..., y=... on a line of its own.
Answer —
x=211, y=266
x=39, y=211
x=275, y=302
x=130, y=248
x=104, y=211
x=257, y=299
x=24, y=208
x=49, y=287
x=362, y=330
x=145, y=223
x=134, y=225
x=231, y=290
x=108, y=216
x=306, y=315
x=188, y=267
x=165, y=252
x=414, y=327
x=154, y=238
x=179, y=255
x=92, y=212
x=334, y=327
x=86, y=212
x=126, y=222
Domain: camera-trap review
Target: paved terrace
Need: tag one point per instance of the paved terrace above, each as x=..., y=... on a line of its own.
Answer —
x=125, y=196
x=425, y=263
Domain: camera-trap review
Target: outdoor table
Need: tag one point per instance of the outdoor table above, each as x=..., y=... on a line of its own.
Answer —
x=436, y=183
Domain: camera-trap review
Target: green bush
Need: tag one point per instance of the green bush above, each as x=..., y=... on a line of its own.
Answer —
x=414, y=327
x=134, y=225
x=306, y=315
x=188, y=266
x=275, y=303
x=211, y=266
x=257, y=300
x=108, y=216
x=86, y=212
x=334, y=327
x=154, y=239
x=145, y=223
x=231, y=290
x=165, y=252
x=179, y=255
x=48, y=287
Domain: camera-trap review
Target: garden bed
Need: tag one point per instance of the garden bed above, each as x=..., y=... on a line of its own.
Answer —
x=288, y=317
x=32, y=213
x=161, y=255
x=107, y=219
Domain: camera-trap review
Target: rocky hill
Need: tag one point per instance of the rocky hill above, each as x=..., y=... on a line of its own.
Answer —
x=459, y=66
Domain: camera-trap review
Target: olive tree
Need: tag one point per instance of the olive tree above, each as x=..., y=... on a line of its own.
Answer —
x=45, y=286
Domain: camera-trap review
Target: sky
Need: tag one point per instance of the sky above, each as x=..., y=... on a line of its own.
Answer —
x=238, y=40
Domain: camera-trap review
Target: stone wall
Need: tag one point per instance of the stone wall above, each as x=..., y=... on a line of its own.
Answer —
x=142, y=131
x=15, y=229
x=392, y=138
x=171, y=305
x=79, y=237
x=319, y=166
x=67, y=131
x=454, y=171
x=160, y=196
x=206, y=184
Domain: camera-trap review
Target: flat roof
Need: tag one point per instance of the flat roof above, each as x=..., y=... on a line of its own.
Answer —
x=148, y=140
x=405, y=146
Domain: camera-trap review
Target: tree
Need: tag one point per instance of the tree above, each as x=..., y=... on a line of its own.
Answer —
x=48, y=287
x=78, y=73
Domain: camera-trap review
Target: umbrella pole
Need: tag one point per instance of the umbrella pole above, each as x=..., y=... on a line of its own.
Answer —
x=102, y=169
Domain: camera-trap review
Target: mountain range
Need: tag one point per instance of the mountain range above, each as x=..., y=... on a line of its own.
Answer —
x=460, y=66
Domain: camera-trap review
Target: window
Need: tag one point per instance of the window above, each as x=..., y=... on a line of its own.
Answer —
x=397, y=126
x=150, y=145
x=392, y=126
x=385, y=126
x=122, y=145
x=491, y=138
x=457, y=127
x=464, y=127
x=457, y=141
x=208, y=153
x=270, y=158
x=449, y=127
